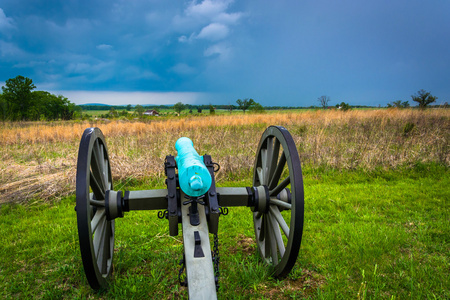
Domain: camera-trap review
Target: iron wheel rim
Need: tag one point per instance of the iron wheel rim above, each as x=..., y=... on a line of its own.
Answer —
x=95, y=232
x=276, y=155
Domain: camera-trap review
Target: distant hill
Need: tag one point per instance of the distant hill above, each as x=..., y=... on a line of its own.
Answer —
x=94, y=104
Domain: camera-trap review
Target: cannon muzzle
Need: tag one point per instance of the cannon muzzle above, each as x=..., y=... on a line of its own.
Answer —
x=193, y=175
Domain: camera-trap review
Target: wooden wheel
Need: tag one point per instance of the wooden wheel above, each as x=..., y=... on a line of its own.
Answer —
x=278, y=217
x=95, y=232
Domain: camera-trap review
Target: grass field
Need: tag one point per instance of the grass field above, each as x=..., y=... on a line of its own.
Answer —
x=377, y=211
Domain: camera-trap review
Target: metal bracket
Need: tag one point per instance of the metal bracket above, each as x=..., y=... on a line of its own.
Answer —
x=212, y=202
x=172, y=194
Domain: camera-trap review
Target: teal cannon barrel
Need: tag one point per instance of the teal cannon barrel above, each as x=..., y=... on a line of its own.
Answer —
x=193, y=175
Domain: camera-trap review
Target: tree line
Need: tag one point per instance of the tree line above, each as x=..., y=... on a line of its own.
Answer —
x=18, y=102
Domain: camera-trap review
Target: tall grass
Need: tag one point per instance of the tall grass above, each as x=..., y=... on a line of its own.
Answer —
x=39, y=159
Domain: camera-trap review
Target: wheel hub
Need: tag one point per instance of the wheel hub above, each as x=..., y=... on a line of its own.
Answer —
x=114, y=204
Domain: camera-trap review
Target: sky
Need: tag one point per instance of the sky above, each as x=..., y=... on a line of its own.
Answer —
x=279, y=53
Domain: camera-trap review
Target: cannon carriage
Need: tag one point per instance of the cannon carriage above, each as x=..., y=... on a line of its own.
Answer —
x=275, y=199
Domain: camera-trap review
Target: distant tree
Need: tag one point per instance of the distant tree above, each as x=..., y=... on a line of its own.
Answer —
x=2, y=108
x=398, y=104
x=257, y=108
x=199, y=110
x=324, y=100
x=343, y=106
x=245, y=104
x=129, y=107
x=139, y=109
x=17, y=97
x=423, y=98
x=179, y=107
x=212, y=110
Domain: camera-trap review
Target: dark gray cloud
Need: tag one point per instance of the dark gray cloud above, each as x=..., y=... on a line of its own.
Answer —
x=277, y=52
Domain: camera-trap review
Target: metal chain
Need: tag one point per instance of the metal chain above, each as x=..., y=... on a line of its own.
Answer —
x=216, y=261
x=182, y=263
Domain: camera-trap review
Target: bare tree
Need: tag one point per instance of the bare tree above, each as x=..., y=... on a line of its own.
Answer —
x=324, y=101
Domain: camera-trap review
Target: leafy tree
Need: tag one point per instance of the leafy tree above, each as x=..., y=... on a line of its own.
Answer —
x=423, y=98
x=323, y=100
x=256, y=107
x=199, y=110
x=245, y=104
x=2, y=107
x=230, y=108
x=179, y=107
x=17, y=96
x=398, y=104
x=129, y=107
x=139, y=109
x=343, y=106
x=113, y=113
x=212, y=110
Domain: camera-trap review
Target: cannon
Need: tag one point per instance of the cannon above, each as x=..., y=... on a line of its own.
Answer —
x=275, y=199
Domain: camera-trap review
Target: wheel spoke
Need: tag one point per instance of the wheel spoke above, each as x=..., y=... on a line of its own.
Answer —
x=273, y=158
x=273, y=242
x=263, y=229
x=278, y=171
x=101, y=157
x=98, y=217
x=259, y=170
x=263, y=166
x=268, y=158
x=277, y=215
x=98, y=148
x=277, y=234
x=258, y=215
x=99, y=238
x=107, y=175
x=96, y=203
x=97, y=169
x=96, y=186
x=106, y=249
x=280, y=187
x=267, y=240
x=280, y=203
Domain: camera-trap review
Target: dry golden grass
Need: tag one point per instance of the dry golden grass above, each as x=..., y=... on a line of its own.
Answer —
x=39, y=159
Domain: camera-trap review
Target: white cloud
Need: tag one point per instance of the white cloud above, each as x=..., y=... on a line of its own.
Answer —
x=104, y=47
x=214, y=32
x=9, y=50
x=207, y=8
x=183, y=39
x=30, y=64
x=182, y=69
x=228, y=18
x=88, y=68
x=218, y=49
x=198, y=15
x=135, y=73
x=5, y=22
x=78, y=67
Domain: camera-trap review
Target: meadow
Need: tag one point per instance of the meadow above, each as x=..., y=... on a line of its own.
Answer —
x=377, y=221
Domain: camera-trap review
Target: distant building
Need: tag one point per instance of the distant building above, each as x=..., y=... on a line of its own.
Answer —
x=151, y=113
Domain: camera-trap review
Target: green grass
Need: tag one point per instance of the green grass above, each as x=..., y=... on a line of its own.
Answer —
x=368, y=235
